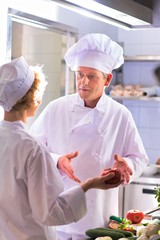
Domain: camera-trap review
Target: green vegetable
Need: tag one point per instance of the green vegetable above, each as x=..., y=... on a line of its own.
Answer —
x=157, y=195
x=102, y=232
x=125, y=224
x=117, y=219
x=125, y=233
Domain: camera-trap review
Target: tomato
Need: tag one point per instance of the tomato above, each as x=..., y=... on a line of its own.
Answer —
x=135, y=216
x=115, y=179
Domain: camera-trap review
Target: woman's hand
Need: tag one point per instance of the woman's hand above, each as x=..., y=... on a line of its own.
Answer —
x=123, y=167
x=101, y=182
x=64, y=163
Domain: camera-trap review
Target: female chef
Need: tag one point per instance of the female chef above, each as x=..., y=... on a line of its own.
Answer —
x=31, y=191
x=101, y=129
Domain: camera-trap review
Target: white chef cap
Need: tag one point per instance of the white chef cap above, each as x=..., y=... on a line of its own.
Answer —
x=95, y=51
x=16, y=78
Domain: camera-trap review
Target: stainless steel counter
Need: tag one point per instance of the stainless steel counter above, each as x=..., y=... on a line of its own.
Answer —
x=154, y=179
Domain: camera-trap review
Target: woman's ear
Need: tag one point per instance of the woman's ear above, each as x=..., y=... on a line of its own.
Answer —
x=39, y=102
x=108, y=79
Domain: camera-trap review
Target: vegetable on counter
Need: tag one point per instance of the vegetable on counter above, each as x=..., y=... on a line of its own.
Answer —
x=97, y=232
x=135, y=216
x=117, y=219
x=143, y=231
x=150, y=232
x=115, y=234
x=121, y=223
x=157, y=195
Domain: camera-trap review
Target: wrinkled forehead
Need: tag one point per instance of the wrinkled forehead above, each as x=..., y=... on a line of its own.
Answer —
x=88, y=70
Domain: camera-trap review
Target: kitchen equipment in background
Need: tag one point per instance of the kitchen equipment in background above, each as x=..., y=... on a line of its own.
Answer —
x=149, y=211
x=151, y=170
x=140, y=195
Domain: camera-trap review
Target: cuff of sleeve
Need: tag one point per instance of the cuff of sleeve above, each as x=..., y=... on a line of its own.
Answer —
x=55, y=157
x=77, y=199
x=137, y=169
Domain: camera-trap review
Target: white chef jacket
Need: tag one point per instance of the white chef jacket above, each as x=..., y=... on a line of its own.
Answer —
x=66, y=125
x=31, y=197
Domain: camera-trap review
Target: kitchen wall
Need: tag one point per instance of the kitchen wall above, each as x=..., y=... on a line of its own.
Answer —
x=135, y=42
x=40, y=47
x=45, y=47
x=85, y=24
x=146, y=113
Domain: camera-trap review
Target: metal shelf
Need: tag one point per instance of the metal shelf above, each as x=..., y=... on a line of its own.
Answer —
x=144, y=58
x=136, y=98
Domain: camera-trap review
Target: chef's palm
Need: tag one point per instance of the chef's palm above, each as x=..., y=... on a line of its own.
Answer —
x=64, y=163
x=123, y=167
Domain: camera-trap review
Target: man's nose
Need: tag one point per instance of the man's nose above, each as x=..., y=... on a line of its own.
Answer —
x=85, y=80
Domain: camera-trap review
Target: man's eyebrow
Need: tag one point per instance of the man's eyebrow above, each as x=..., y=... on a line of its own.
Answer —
x=90, y=73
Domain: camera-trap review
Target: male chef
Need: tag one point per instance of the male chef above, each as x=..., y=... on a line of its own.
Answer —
x=100, y=129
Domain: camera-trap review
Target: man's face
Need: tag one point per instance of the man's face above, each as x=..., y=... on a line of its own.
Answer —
x=90, y=85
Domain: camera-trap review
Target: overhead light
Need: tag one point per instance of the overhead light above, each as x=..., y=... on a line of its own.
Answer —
x=27, y=22
x=90, y=8
x=108, y=12
x=89, y=14
x=41, y=8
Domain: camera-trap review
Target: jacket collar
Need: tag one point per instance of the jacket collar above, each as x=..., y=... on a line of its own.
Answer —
x=79, y=102
x=14, y=125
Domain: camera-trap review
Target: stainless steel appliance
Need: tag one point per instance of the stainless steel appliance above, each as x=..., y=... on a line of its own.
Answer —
x=140, y=195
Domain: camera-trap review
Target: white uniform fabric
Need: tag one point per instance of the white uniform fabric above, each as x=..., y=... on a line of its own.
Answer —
x=97, y=133
x=31, y=197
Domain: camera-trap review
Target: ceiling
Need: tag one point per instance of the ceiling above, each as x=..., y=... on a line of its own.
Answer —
x=146, y=3
x=147, y=10
x=154, y=7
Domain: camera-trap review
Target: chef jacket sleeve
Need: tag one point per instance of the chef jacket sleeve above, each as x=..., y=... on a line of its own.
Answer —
x=134, y=152
x=55, y=157
x=49, y=204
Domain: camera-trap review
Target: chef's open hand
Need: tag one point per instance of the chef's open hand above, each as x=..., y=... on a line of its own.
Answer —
x=123, y=167
x=64, y=163
x=101, y=182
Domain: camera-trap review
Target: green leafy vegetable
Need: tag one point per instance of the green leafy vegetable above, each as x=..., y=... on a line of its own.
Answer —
x=125, y=224
x=157, y=195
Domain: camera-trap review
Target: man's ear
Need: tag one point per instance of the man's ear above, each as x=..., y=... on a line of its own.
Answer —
x=108, y=79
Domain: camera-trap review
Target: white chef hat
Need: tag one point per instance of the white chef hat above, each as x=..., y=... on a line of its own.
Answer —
x=16, y=78
x=95, y=51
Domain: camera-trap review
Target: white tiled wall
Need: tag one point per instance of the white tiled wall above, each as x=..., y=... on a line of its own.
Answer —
x=140, y=73
x=146, y=113
x=136, y=42
x=42, y=47
x=141, y=41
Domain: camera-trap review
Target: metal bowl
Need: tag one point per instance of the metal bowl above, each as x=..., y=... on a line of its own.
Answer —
x=150, y=170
